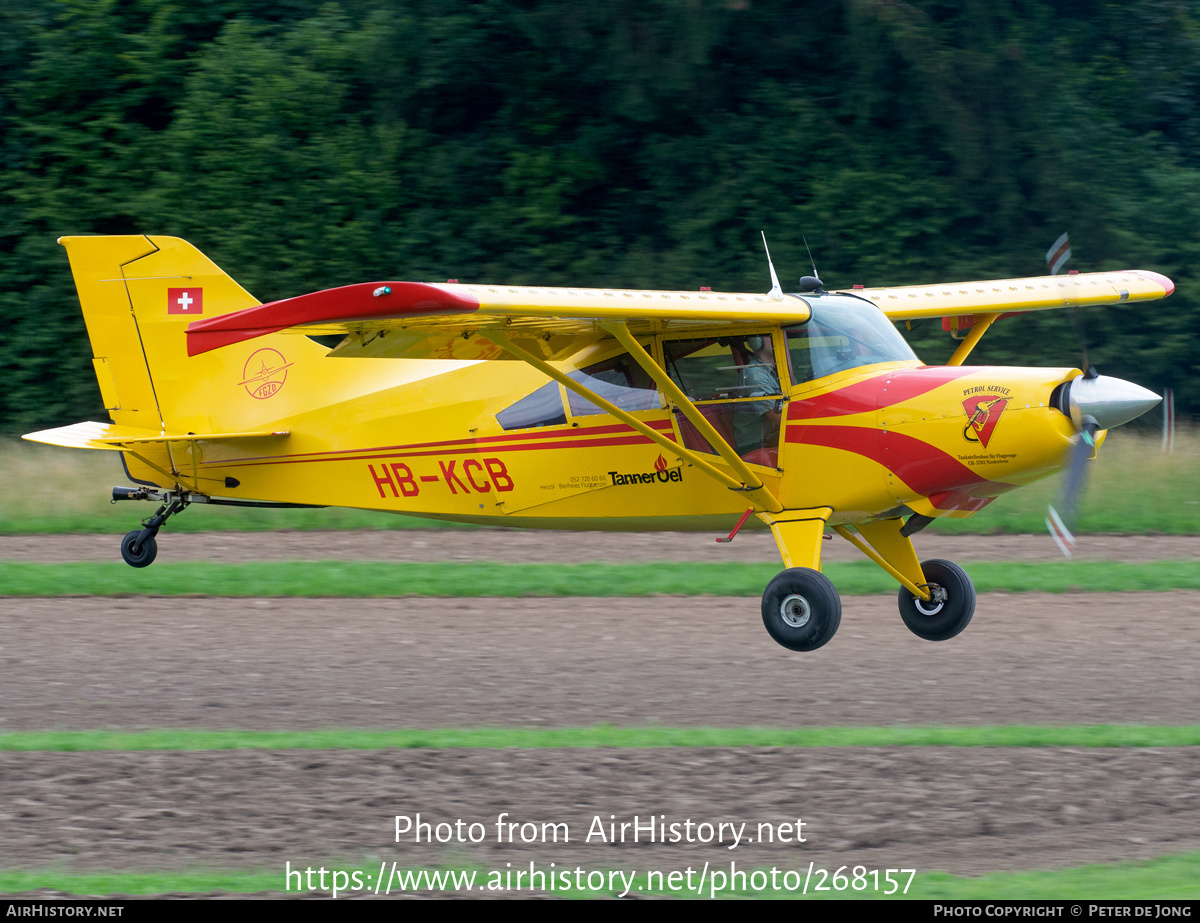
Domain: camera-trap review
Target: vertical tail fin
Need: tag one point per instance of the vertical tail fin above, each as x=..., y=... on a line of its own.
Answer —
x=138, y=295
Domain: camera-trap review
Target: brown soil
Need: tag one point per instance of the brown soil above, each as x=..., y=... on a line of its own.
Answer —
x=302, y=663
x=1028, y=658
x=509, y=545
x=965, y=810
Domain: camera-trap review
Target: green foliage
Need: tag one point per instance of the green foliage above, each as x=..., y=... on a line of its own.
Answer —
x=306, y=144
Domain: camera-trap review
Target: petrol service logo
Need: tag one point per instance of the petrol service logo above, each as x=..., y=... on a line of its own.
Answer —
x=983, y=413
x=265, y=373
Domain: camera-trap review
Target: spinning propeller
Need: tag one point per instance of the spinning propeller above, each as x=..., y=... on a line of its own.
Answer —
x=1094, y=402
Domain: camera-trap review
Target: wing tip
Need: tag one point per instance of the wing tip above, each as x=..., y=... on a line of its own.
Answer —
x=1167, y=284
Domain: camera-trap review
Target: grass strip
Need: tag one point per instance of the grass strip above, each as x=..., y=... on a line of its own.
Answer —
x=1164, y=878
x=603, y=735
x=374, y=579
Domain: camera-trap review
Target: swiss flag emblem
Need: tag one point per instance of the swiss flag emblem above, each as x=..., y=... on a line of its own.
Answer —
x=185, y=301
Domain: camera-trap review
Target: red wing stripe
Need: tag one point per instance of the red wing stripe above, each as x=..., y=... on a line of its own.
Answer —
x=334, y=305
x=867, y=395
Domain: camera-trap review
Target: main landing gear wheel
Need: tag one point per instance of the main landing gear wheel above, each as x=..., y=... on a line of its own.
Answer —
x=950, y=609
x=138, y=554
x=801, y=609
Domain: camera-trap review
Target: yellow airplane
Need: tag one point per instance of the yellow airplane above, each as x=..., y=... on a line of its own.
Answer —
x=577, y=408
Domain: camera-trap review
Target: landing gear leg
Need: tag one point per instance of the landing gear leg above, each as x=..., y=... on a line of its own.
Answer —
x=946, y=599
x=140, y=547
x=801, y=608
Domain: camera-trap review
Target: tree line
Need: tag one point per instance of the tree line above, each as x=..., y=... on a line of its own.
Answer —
x=304, y=145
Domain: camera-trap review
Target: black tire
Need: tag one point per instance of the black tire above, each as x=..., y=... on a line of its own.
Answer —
x=801, y=609
x=946, y=618
x=136, y=555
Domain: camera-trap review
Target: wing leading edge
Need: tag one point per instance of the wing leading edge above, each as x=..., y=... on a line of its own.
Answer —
x=425, y=311
x=448, y=321
x=999, y=296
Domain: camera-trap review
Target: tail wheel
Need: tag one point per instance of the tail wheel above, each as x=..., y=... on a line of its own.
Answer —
x=801, y=609
x=949, y=610
x=138, y=554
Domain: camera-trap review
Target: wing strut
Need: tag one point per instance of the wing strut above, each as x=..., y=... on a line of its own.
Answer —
x=976, y=334
x=625, y=417
x=754, y=488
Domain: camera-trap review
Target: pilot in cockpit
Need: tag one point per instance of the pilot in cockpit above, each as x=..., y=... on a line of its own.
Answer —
x=756, y=423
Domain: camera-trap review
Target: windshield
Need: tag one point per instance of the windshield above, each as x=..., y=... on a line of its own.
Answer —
x=842, y=334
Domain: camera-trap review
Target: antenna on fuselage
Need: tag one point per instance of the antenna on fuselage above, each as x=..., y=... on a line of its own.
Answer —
x=776, y=291
x=811, y=285
x=816, y=275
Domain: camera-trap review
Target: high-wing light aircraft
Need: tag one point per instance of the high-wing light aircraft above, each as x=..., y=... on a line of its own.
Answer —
x=577, y=408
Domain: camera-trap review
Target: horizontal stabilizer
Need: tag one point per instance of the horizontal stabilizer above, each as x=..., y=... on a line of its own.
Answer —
x=113, y=438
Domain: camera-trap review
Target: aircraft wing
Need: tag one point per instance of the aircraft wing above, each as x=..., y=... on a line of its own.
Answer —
x=1002, y=296
x=443, y=321
x=419, y=320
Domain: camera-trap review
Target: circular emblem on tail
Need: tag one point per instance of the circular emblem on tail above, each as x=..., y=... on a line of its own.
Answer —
x=265, y=373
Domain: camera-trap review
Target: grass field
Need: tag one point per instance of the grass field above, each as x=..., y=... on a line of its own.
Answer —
x=1166, y=878
x=1133, y=488
x=364, y=579
x=1105, y=735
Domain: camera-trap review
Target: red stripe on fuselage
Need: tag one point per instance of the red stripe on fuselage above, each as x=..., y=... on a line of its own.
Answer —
x=452, y=445
x=623, y=435
x=880, y=390
x=925, y=468
x=635, y=439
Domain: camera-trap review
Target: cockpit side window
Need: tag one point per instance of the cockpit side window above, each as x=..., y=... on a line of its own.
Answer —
x=723, y=368
x=734, y=381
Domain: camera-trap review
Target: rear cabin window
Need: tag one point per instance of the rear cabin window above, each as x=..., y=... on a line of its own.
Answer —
x=544, y=407
x=620, y=381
